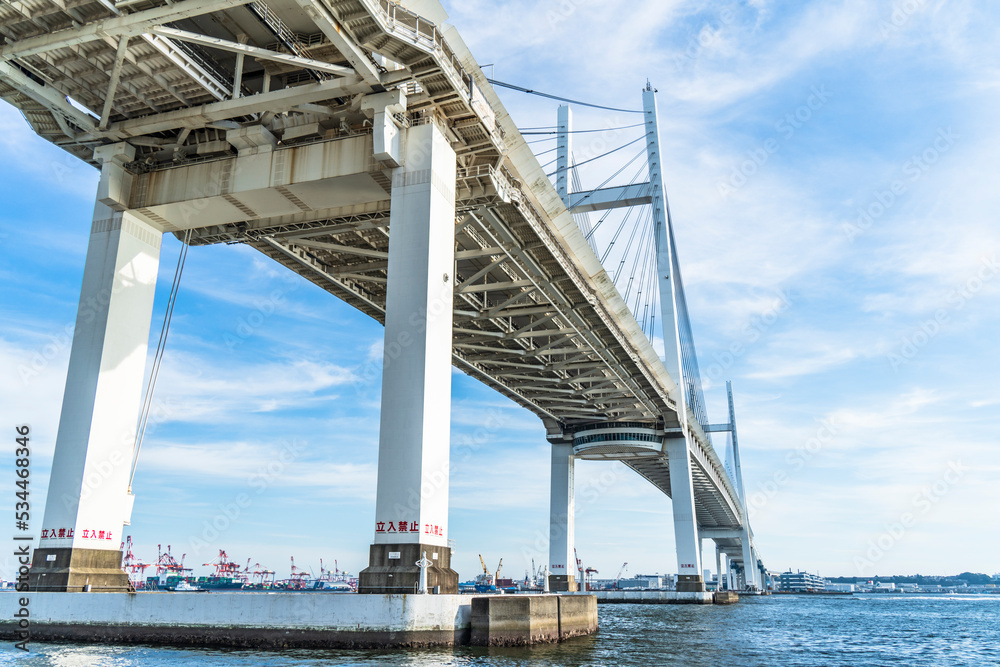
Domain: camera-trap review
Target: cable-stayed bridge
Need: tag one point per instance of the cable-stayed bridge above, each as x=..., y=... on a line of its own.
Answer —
x=358, y=143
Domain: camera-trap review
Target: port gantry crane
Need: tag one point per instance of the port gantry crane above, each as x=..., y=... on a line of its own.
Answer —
x=298, y=577
x=224, y=567
x=262, y=576
x=130, y=563
x=167, y=564
x=620, y=573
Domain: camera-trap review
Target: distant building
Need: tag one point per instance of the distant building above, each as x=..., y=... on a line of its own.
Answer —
x=840, y=588
x=642, y=581
x=801, y=581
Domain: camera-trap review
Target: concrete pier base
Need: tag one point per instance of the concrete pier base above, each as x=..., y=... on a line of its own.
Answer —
x=400, y=574
x=725, y=597
x=653, y=597
x=74, y=570
x=517, y=620
x=690, y=583
x=561, y=583
x=309, y=620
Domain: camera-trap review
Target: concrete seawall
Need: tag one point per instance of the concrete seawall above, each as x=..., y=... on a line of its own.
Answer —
x=656, y=597
x=282, y=619
x=516, y=620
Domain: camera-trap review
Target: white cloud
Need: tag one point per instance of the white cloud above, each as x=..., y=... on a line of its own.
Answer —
x=193, y=388
x=27, y=152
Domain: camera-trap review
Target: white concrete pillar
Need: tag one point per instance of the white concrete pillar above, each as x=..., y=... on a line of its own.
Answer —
x=718, y=567
x=562, y=540
x=411, y=506
x=414, y=433
x=564, y=152
x=88, y=501
x=689, y=577
x=758, y=577
x=749, y=562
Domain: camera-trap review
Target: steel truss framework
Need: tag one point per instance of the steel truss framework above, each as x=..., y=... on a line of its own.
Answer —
x=172, y=77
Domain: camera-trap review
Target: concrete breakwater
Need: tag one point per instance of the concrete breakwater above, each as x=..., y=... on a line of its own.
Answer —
x=665, y=597
x=283, y=619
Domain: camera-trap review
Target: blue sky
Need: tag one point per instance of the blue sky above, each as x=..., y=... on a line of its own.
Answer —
x=833, y=183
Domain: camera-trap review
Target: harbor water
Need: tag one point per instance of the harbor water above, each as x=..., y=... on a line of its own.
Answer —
x=805, y=631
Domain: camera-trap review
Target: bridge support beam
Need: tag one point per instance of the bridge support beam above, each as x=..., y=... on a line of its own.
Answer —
x=718, y=567
x=88, y=499
x=749, y=563
x=411, y=507
x=689, y=574
x=562, y=540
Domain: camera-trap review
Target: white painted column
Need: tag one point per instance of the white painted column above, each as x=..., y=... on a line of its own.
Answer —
x=718, y=567
x=413, y=458
x=749, y=562
x=564, y=152
x=664, y=252
x=562, y=560
x=685, y=522
x=88, y=501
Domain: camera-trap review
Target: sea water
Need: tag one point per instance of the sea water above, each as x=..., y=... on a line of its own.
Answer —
x=800, y=630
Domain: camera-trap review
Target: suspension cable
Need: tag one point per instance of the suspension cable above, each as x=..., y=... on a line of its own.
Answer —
x=635, y=262
x=556, y=97
x=620, y=195
x=608, y=180
x=618, y=232
x=628, y=246
x=613, y=150
x=650, y=314
x=158, y=356
x=607, y=129
x=642, y=275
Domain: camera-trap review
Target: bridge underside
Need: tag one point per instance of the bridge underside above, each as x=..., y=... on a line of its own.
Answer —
x=279, y=125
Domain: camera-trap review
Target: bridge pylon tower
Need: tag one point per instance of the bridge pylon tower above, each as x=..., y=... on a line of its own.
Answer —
x=677, y=429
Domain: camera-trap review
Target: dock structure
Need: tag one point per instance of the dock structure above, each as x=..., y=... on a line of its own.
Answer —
x=274, y=620
x=359, y=144
x=665, y=597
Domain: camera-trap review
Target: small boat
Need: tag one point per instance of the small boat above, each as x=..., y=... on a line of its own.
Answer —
x=184, y=587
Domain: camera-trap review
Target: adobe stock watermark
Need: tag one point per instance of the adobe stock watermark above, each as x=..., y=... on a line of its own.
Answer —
x=920, y=505
x=912, y=171
x=262, y=310
x=588, y=496
x=750, y=333
x=56, y=343
x=229, y=514
x=593, y=144
x=786, y=126
x=705, y=38
x=900, y=15
x=465, y=446
x=562, y=10
x=910, y=345
x=795, y=460
x=110, y=468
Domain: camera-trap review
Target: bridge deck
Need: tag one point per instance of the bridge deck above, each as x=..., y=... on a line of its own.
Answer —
x=536, y=316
